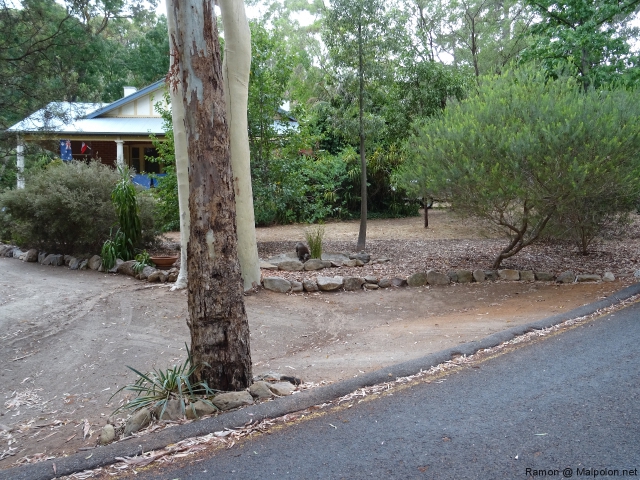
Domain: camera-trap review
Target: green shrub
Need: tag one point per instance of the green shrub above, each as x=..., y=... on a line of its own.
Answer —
x=528, y=153
x=64, y=208
x=148, y=206
x=300, y=189
x=67, y=208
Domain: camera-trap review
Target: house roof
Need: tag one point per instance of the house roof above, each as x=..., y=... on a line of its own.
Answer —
x=124, y=100
x=94, y=118
x=54, y=117
x=130, y=116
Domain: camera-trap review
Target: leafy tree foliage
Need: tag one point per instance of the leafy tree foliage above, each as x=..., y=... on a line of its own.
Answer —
x=526, y=152
x=80, y=51
x=594, y=36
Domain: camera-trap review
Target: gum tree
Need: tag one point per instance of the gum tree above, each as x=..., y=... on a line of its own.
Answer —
x=217, y=316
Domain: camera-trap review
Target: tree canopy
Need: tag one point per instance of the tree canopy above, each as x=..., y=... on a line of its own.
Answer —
x=528, y=152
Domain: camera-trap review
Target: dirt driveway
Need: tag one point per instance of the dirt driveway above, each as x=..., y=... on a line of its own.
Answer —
x=67, y=336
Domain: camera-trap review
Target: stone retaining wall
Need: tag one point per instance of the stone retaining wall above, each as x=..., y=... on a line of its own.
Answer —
x=319, y=283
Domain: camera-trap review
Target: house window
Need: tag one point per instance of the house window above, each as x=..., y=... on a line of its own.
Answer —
x=138, y=156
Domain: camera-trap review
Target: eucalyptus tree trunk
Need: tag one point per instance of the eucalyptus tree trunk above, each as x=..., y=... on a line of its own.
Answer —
x=180, y=148
x=362, y=234
x=217, y=317
x=236, y=67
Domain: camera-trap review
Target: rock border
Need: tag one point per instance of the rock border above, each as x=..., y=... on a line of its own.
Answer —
x=150, y=274
x=320, y=283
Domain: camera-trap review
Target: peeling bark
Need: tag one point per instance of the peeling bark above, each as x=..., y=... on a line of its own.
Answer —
x=217, y=317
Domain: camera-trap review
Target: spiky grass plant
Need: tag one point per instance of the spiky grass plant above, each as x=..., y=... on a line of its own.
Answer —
x=314, y=236
x=158, y=387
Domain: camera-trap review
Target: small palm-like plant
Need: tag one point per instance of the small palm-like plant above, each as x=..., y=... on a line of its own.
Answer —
x=158, y=387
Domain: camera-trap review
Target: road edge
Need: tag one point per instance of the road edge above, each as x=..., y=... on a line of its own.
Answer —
x=103, y=456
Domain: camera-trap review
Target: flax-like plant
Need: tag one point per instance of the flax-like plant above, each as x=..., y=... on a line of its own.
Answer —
x=124, y=200
x=156, y=388
x=314, y=236
x=114, y=248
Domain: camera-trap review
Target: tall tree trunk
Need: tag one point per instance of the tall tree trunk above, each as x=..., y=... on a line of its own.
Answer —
x=217, y=316
x=362, y=234
x=180, y=149
x=236, y=67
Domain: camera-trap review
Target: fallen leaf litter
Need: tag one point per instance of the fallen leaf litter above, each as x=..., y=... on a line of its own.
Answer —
x=229, y=437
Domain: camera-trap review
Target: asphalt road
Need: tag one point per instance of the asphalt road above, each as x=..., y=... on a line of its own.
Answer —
x=566, y=406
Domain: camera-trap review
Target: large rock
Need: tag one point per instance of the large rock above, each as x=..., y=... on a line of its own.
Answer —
x=172, y=275
x=95, y=262
x=544, y=276
x=384, y=282
x=67, y=259
x=338, y=258
x=296, y=286
x=310, y=285
x=316, y=264
x=75, y=263
x=291, y=266
x=157, y=276
x=267, y=266
x=362, y=256
x=371, y=279
x=126, y=268
x=31, y=255
x=114, y=269
x=527, y=276
x=608, y=277
x=17, y=253
x=108, y=434
x=437, y=278
x=491, y=275
x=282, y=389
x=229, y=400
x=4, y=249
x=53, y=259
x=260, y=390
x=276, y=284
x=464, y=276
x=172, y=412
x=353, y=283
x=283, y=257
x=417, y=279
x=509, y=274
x=371, y=286
x=398, y=282
x=137, y=422
x=588, y=278
x=9, y=251
x=350, y=263
x=199, y=409
x=327, y=284
x=479, y=276
x=566, y=277
x=84, y=264
x=42, y=256
x=146, y=271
